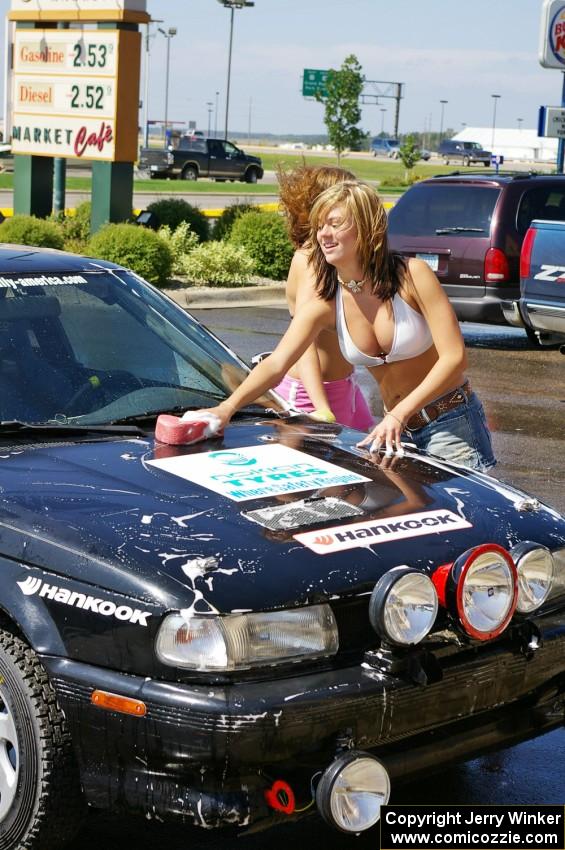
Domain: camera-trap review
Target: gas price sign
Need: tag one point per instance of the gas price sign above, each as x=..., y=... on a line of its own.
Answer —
x=66, y=96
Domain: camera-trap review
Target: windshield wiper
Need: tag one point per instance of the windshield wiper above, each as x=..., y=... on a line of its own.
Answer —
x=442, y=230
x=15, y=426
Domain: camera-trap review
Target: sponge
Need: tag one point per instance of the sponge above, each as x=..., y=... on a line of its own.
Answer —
x=191, y=428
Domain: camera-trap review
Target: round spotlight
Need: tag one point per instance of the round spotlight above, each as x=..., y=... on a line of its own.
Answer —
x=480, y=589
x=403, y=606
x=352, y=790
x=536, y=570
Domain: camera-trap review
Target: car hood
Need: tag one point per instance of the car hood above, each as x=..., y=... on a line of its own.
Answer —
x=177, y=526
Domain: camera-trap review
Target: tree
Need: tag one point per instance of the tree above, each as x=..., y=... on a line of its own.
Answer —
x=409, y=154
x=342, y=112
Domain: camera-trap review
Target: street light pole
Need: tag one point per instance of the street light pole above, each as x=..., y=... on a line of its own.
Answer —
x=210, y=106
x=172, y=31
x=443, y=102
x=216, y=116
x=495, y=98
x=519, y=120
x=232, y=5
x=383, y=121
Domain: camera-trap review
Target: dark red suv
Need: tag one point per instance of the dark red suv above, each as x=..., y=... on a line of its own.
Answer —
x=469, y=229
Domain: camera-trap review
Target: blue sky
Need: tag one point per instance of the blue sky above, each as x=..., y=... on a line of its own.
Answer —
x=440, y=49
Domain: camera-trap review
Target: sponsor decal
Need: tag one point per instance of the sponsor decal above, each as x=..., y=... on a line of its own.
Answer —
x=40, y=280
x=34, y=586
x=256, y=472
x=376, y=531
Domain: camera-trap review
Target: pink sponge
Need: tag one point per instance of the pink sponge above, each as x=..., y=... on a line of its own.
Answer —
x=191, y=428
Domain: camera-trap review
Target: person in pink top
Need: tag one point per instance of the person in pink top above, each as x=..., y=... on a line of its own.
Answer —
x=322, y=383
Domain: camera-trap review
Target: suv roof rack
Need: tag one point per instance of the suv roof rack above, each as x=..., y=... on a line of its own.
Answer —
x=510, y=175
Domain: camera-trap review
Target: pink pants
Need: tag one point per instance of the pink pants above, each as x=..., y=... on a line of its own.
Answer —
x=346, y=400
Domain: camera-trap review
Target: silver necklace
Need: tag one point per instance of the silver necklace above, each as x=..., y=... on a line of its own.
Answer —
x=354, y=286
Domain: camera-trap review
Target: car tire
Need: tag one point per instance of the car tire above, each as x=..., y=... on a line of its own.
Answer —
x=486, y=164
x=445, y=161
x=189, y=172
x=251, y=175
x=466, y=161
x=40, y=801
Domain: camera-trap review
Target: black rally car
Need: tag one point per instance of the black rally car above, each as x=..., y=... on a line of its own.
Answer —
x=261, y=625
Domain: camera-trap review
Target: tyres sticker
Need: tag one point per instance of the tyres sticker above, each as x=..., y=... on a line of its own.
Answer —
x=370, y=532
x=255, y=472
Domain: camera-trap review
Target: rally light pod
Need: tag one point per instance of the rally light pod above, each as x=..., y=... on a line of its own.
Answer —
x=403, y=606
x=480, y=589
x=536, y=572
x=352, y=790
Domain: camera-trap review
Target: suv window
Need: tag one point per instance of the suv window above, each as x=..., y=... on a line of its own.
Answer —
x=543, y=202
x=434, y=207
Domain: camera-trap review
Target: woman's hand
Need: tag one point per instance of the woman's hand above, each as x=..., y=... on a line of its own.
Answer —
x=385, y=435
x=223, y=412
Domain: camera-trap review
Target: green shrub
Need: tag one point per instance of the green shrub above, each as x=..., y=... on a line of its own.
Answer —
x=28, y=230
x=76, y=228
x=181, y=242
x=137, y=248
x=265, y=238
x=225, y=222
x=218, y=264
x=173, y=211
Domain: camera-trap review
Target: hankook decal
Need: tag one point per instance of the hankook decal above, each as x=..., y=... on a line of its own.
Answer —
x=370, y=532
x=33, y=585
x=254, y=472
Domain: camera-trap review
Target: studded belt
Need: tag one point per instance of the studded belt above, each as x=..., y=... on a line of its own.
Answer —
x=446, y=402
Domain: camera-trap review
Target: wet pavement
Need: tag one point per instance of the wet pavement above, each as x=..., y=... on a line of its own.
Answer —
x=523, y=391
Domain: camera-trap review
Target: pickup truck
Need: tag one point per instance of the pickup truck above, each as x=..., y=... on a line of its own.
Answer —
x=541, y=307
x=191, y=157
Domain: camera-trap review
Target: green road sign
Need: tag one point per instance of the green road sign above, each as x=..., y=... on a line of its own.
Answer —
x=314, y=82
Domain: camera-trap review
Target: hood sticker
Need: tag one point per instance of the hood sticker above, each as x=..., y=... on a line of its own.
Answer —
x=256, y=472
x=367, y=533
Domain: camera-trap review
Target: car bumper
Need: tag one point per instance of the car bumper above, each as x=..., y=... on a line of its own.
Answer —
x=485, y=308
x=203, y=751
x=544, y=316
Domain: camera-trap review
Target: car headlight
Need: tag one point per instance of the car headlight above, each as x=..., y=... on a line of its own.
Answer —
x=240, y=641
x=403, y=606
x=352, y=790
x=536, y=569
x=480, y=589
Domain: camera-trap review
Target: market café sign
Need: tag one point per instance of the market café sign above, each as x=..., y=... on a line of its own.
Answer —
x=79, y=10
x=75, y=93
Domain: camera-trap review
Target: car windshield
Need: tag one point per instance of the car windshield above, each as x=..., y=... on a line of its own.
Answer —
x=103, y=347
x=435, y=209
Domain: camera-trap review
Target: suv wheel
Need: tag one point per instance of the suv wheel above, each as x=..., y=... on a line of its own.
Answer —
x=251, y=175
x=466, y=161
x=40, y=800
x=189, y=172
x=446, y=160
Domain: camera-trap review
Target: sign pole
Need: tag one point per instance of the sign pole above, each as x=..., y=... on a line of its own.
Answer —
x=60, y=165
x=561, y=143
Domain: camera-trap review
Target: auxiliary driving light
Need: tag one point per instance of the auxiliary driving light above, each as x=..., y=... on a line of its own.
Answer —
x=352, y=790
x=536, y=570
x=480, y=589
x=403, y=606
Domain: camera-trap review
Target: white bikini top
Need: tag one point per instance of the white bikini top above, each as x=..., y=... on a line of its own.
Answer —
x=412, y=335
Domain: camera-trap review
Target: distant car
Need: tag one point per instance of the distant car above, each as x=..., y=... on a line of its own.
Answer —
x=244, y=631
x=385, y=147
x=467, y=153
x=425, y=154
x=469, y=229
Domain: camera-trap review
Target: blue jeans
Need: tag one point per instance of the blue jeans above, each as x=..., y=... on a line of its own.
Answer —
x=460, y=435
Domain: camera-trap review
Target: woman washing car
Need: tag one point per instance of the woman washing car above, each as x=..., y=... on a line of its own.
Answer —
x=391, y=316
x=322, y=382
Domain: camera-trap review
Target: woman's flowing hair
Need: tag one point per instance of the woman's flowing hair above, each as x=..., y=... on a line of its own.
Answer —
x=299, y=188
x=362, y=206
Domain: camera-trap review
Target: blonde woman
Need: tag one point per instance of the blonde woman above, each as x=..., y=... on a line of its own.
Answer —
x=391, y=316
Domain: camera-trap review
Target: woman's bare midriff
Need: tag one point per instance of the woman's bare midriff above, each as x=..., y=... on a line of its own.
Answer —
x=332, y=363
x=397, y=380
